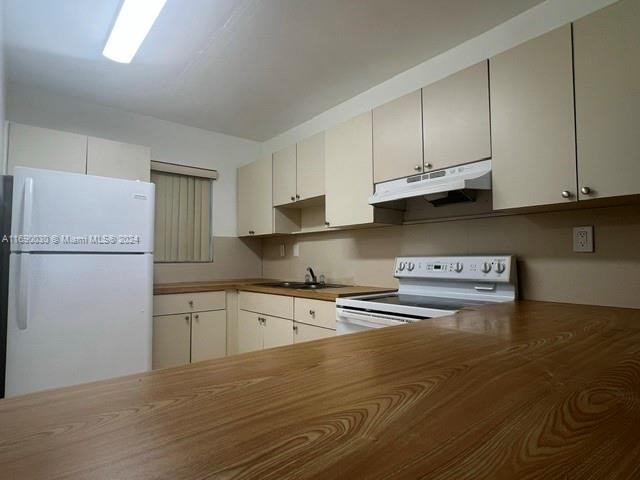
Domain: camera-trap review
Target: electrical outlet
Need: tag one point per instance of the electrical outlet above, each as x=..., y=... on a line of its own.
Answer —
x=296, y=250
x=583, y=239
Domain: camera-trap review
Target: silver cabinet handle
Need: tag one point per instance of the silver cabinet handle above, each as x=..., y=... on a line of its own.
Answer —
x=197, y=317
x=186, y=317
x=417, y=168
x=428, y=166
x=297, y=196
x=191, y=303
x=251, y=232
x=585, y=190
x=292, y=198
x=566, y=194
x=312, y=313
x=295, y=329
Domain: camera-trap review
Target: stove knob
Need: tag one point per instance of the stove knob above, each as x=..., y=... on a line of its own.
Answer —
x=401, y=266
x=500, y=267
x=486, y=267
x=410, y=266
x=458, y=267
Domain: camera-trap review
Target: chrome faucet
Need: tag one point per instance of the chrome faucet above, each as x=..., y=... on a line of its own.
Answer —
x=313, y=275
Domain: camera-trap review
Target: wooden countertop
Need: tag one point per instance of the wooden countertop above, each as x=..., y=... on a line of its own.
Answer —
x=254, y=285
x=518, y=390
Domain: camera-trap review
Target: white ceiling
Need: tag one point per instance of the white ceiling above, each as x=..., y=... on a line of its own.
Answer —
x=250, y=68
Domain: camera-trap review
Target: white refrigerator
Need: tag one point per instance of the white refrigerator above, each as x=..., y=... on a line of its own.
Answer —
x=80, y=280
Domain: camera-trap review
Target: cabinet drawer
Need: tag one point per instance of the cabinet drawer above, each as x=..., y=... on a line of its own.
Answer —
x=320, y=313
x=274, y=305
x=305, y=333
x=188, y=302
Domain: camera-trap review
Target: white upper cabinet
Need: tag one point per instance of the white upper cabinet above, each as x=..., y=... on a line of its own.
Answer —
x=284, y=176
x=607, y=83
x=456, y=118
x=397, y=138
x=44, y=148
x=532, y=123
x=255, y=211
x=349, y=172
x=310, y=167
x=107, y=158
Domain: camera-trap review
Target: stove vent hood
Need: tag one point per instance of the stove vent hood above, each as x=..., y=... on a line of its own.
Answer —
x=440, y=187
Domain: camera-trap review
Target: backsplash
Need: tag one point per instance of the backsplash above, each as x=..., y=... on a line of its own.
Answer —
x=547, y=267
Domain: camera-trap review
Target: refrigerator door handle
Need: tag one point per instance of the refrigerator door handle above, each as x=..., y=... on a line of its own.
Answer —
x=23, y=292
x=27, y=212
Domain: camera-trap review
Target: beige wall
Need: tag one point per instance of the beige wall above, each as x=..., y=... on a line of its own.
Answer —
x=548, y=269
x=232, y=258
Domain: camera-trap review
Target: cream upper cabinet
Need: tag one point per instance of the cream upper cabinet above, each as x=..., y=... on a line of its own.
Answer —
x=456, y=118
x=255, y=211
x=310, y=167
x=107, y=158
x=532, y=123
x=43, y=148
x=249, y=331
x=397, y=138
x=349, y=172
x=171, y=340
x=607, y=83
x=277, y=331
x=208, y=335
x=284, y=176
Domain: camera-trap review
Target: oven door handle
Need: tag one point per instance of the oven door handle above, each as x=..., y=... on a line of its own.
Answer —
x=370, y=320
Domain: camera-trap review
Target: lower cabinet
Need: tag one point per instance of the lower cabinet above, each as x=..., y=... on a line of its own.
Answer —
x=189, y=337
x=257, y=331
x=305, y=333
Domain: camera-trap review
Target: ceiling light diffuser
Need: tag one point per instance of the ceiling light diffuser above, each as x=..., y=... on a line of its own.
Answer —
x=132, y=26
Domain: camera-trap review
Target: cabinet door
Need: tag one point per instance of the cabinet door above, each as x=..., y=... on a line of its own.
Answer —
x=349, y=172
x=255, y=210
x=607, y=78
x=249, y=332
x=310, y=167
x=208, y=335
x=107, y=158
x=306, y=333
x=43, y=148
x=277, y=331
x=397, y=138
x=456, y=118
x=284, y=176
x=532, y=123
x=171, y=340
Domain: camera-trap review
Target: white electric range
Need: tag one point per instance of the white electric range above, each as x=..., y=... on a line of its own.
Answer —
x=431, y=287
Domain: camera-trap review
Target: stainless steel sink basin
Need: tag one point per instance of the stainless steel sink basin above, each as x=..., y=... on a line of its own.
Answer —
x=303, y=285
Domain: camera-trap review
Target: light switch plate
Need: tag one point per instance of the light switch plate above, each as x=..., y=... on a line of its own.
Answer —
x=296, y=250
x=583, y=239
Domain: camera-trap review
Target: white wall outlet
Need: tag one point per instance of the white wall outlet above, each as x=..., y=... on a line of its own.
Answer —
x=296, y=250
x=583, y=239
x=283, y=250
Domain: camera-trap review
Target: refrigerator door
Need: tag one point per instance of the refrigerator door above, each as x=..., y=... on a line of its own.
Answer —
x=70, y=212
x=76, y=318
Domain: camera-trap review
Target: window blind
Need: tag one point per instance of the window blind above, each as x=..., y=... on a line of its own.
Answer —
x=182, y=218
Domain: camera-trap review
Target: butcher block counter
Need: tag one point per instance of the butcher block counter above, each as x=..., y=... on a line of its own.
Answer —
x=261, y=285
x=518, y=390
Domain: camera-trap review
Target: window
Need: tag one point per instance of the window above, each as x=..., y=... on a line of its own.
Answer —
x=183, y=215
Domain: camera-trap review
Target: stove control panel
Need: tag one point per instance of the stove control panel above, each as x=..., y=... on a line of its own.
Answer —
x=496, y=268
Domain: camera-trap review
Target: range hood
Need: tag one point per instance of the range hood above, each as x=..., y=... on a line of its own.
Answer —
x=440, y=187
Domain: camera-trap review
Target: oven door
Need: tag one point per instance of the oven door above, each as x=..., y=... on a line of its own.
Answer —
x=352, y=321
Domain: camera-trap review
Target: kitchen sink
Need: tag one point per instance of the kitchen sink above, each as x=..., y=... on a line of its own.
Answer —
x=303, y=285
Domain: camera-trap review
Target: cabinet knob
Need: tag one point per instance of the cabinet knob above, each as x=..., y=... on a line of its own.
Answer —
x=428, y=165
x=186, y=317
x=295, y=329
x=251, y=232
x=191, y=303
x=585, y=190
x=312, y=313
x=417, y=168
x=292, y=198
x=197, y=317
x=566, y=194
x=327, y=223
x=298, y=196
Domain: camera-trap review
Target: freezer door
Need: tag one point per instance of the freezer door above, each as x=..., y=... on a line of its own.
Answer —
x=69, y=212
x=76, y=318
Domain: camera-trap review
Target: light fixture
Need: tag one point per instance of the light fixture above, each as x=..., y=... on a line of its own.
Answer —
x=132, y=26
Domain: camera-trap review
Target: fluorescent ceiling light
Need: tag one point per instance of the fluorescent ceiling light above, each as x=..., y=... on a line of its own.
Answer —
x=132, y=26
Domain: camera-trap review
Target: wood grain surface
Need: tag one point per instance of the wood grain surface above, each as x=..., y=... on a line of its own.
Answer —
x=256, y=285
x=527, y=390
